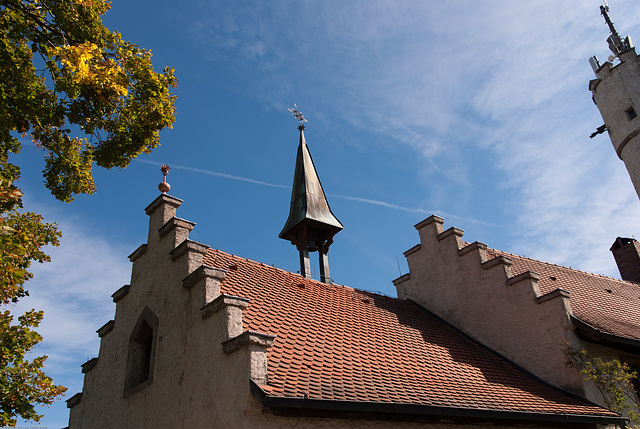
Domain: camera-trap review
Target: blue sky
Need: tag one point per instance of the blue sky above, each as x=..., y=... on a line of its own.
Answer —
x=476, y=111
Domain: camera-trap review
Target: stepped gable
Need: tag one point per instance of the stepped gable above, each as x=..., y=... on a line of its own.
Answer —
x=336, y=343
x=609, y=305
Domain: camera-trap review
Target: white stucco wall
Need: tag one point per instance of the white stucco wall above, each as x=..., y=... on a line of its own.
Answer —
x=195, y=384
x=505, y=312
x=483, y=299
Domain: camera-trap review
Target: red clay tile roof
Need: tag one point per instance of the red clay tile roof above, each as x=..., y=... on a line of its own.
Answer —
x=610, y=305
x=338, y=343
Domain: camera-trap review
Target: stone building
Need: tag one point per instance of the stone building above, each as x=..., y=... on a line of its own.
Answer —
x=527, y=310
x=202, y=338
x=205, y=339
x=616, y=92
x=531, y=311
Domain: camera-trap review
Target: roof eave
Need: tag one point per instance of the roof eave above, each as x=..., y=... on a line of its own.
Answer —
x=301, y=404
x=591, y=333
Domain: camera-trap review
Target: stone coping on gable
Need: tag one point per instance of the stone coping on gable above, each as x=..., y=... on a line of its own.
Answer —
x=74, y=400
x=175, y=222
x=246, y=339
x=120, y=293
x=89, y=365
x=138, y=252
x=553, y=294
x=403, y=278
x=186, y=246
x=106, y=328
x=203, y=271
x=527, y=275
x=162, y=198
x=413, y=250
x=497, y=261
x=224, y=301
x=428, y=221
x=476, y=245
x=449, y=232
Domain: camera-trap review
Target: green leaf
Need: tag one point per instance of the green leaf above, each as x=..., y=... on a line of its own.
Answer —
x=94, y=82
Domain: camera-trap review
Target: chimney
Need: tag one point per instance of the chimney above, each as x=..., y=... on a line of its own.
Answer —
x=626, y=252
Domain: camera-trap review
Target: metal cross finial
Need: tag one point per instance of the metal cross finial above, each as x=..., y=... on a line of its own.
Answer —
x=301, y=120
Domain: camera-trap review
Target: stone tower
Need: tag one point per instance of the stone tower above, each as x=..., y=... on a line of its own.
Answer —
x=311, y=224
x=616, y=92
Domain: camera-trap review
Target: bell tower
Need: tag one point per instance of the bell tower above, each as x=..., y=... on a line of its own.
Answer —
x=616, y=92
x=311, y=224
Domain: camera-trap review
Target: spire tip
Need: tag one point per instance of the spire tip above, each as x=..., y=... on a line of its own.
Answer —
x=298, y=115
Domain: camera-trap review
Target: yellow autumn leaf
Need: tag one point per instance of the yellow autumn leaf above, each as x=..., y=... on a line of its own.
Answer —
x=86, y=64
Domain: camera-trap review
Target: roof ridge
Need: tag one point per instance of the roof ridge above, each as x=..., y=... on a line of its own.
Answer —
x=564, y=266
x=318, y=282
x=265, y=264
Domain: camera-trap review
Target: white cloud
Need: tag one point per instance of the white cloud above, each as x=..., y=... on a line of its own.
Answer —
x=449, y=80
x=441, y=79
x=74, y=293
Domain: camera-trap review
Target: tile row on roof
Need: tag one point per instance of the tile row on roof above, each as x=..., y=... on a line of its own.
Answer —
x=341, y=344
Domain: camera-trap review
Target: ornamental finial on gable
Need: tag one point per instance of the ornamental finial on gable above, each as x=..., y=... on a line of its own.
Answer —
x=164, y=187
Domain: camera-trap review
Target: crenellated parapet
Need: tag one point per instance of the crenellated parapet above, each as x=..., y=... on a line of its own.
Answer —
x=477, y=290
x=173, y=333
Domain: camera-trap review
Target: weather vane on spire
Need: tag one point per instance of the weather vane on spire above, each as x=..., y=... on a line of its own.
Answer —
x=164, y=187
x=301, y=120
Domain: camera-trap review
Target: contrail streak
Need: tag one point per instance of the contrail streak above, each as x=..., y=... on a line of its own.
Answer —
x=410, y=210
x=344, y=197
x=215, y=173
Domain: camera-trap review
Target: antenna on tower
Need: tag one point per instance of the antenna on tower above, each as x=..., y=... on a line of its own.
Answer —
x=595, y=64
x=616, y=44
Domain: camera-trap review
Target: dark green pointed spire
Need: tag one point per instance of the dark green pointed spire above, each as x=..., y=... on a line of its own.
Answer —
x=311, y=224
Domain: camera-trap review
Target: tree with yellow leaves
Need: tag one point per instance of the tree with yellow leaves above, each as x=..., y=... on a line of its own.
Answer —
x=615, y=380
x=82, y=95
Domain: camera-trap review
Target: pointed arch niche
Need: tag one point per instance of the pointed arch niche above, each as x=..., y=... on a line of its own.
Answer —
x=142, y=345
